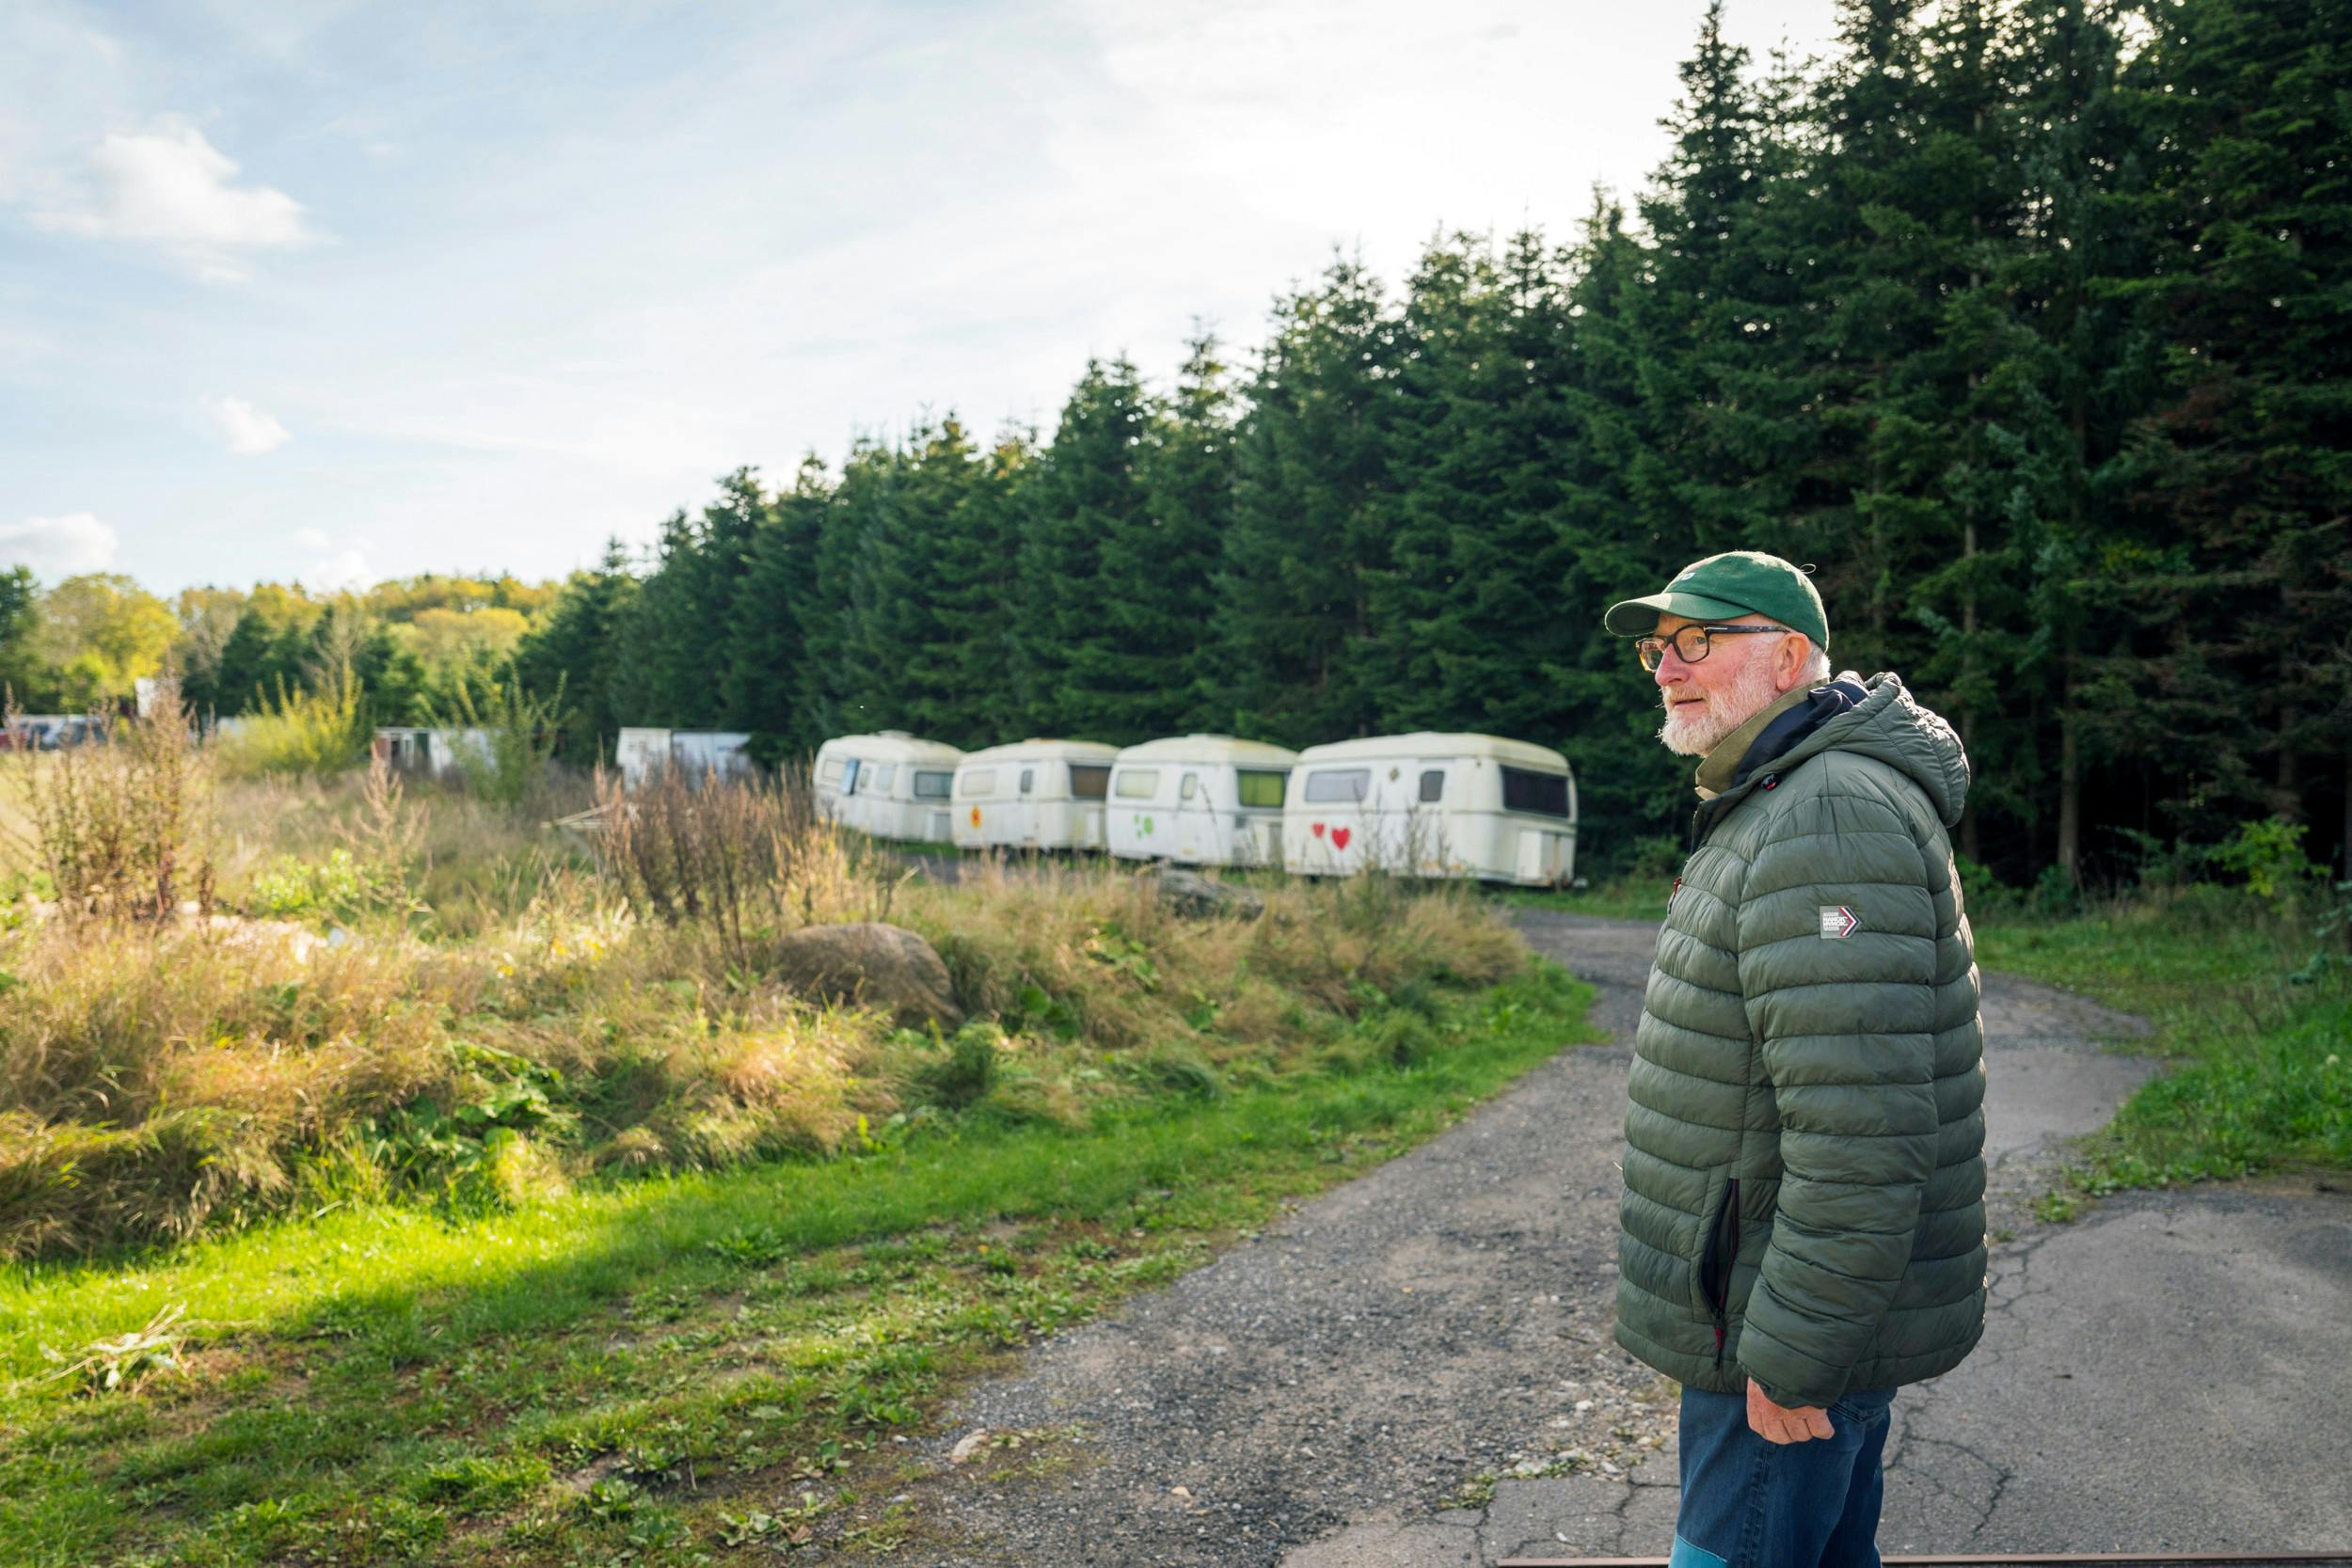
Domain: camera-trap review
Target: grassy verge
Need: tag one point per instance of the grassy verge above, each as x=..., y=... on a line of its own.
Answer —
x=1623, y=899
x=666, y=1371
x=2260, y=1073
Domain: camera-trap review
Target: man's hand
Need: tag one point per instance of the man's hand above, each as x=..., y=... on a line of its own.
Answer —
x=1778, y=1423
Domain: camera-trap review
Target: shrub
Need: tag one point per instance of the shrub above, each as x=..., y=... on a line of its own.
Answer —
x=2269, y=855
x=504, y=760
x=124, y=828
x=340, y=886
x=733, y=856
x=312, y=733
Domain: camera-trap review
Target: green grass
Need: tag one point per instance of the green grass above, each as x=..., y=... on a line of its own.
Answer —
x=1621, y=898
x=2259, y=1070
x=668, y=1370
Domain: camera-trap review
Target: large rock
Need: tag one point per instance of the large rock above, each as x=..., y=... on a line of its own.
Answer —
x=1188, y=893
x=870, y=964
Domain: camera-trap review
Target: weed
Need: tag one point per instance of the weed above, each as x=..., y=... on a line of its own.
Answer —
x=124, y=830
x=128, y=1361
x=503, y=745
x=315, y=733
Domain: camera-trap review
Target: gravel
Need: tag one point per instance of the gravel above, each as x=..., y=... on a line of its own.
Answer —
x=1415, y=1367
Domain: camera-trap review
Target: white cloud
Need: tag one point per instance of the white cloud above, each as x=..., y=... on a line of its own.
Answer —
x=248, y=431
x=58, y=546
x=170, y=189
x=345, y=568
x=312, y=539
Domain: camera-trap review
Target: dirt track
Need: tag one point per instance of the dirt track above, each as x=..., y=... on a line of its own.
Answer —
x=1316, y=1396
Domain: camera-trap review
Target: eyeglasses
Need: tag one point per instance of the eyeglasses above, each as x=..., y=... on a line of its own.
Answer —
x=1690, y=644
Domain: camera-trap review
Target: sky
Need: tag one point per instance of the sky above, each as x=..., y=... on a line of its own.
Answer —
x=335, y=292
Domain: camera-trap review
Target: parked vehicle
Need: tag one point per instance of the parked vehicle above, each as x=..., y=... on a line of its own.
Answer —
x=1034, y=794
x=1199, y=800
x=1433, y=805
x=891, y=784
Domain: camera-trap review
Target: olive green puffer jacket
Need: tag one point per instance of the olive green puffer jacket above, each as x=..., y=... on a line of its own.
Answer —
x=1803, y=1167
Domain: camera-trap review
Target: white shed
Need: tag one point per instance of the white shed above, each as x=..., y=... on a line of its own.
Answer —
x=1200, y=800
x=891, y=784
x=704, y=752
x=640, y=754
x=1433, y=805
x=644, y=753
x=1034, y=794
x=438, y=754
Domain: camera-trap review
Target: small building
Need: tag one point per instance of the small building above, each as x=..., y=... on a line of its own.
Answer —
x=438, y=754
x=643, y=754
x=891, y=784
x=1034, y=794
x=1474, y=806
x=640, y=754
x=1200, y=800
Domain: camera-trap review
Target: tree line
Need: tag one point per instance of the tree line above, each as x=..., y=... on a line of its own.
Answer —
x=2025, y=324
x=416, y=648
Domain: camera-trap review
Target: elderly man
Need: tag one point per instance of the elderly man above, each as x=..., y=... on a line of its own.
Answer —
x=1803, y=1224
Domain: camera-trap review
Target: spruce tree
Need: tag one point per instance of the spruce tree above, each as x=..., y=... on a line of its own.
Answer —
x=1308, y=542
x=772, y=688
x=1088, y=491
x=578, y=653
x=979, y=606
x=1158, y=567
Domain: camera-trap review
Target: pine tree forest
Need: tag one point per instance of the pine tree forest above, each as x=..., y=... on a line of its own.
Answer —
x=2027, y=326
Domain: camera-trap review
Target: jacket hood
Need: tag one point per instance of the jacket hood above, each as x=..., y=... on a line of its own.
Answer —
x=1888, y=726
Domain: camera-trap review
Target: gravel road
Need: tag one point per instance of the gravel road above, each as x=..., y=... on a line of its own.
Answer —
x=1415, y=1369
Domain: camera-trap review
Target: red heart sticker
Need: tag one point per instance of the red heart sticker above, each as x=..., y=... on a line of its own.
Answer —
x=1339, y=837
x=1316, y=828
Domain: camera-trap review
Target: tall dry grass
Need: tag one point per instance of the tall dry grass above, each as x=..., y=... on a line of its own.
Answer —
x=522, y=1011
x=121, y=827
x=738, y=857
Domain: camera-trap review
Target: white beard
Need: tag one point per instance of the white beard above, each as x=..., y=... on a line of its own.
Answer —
x=1695, y=732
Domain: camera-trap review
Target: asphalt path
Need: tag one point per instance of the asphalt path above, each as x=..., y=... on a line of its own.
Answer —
x=1415, y=1369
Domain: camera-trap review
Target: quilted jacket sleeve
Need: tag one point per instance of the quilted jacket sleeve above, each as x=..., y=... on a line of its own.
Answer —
x=1844, y=1025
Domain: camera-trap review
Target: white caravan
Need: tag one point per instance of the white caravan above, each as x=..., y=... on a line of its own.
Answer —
x=1433, y=805
x=890, y=784
x=1033, y=795
x=1200, y=800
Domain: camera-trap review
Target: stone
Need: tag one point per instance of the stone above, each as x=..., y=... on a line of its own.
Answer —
x=1190, y=893
x=869, y=964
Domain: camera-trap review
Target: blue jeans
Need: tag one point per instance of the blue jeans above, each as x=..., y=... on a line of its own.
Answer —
x=1747, y=1503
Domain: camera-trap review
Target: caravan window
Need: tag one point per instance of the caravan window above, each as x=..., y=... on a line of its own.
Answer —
x=1261, y=787
x=1190, y=787
x=1137, y=783
x=829, y=774
x=1090, y=780
x=932, y=785
x=879, y=777
x=1339, y=783
x=1028, y=776
x=1433, y=784
x=1546, y=793
x=848, y=776
x=979, y=780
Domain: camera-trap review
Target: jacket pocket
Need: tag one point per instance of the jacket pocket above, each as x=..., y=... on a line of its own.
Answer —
x=1718, y=1252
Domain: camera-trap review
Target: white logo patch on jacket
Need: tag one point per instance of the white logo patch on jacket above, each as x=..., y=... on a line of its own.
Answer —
x=1838, y=920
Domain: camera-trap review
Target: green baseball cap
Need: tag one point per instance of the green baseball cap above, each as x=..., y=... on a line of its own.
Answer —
x=1737, y=582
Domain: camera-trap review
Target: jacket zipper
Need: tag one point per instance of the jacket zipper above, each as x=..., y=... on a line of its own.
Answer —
x=1723, y=1249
